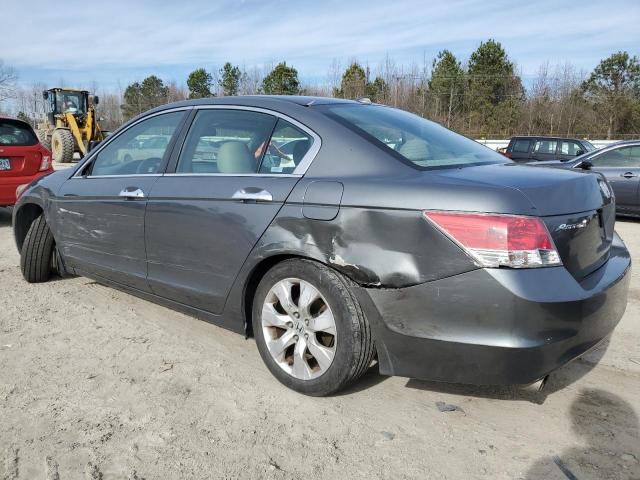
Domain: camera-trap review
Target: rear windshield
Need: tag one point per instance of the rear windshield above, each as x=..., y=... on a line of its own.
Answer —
x=14, y=133
x=419, y=142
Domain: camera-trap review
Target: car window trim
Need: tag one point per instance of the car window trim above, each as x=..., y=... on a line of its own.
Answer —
x=85, y=163
x=299, y=171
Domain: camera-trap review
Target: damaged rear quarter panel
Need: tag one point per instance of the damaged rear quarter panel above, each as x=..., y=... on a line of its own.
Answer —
x=373, y=247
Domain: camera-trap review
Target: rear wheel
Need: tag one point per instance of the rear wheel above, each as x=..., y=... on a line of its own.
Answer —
x=62, y=145
x=37, y=252
x=310, y=329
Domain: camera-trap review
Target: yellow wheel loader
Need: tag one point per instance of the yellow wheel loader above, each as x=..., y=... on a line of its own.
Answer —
x=70, y=124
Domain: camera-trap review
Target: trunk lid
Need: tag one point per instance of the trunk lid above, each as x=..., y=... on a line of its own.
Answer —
x=22, y=161
x=577, y=208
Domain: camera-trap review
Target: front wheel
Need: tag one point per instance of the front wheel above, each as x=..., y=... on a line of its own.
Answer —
x=37, y=252
x=310, y=330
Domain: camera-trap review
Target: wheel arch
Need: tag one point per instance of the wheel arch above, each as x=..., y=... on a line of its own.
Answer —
x=23, y=218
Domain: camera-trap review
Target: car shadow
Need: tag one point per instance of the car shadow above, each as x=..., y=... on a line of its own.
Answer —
x=607, y=428
x=5, y=216
x=558, y=380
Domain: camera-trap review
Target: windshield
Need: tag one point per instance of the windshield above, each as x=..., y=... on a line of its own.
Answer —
x=422, y=143
x=16, y=133
x=588, y=146
x=72, y=102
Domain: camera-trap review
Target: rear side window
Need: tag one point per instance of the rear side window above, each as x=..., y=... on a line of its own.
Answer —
x=226, y=141
x=421, y=143
x=287, y=147
x=546, y=146
x=521, y=145
x=15, y=134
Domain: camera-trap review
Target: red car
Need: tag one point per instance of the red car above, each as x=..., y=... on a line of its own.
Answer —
x=22, y=158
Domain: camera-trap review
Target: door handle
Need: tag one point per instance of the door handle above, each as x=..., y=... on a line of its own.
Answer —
x=253, y=194
x=628, y=175
x=132, y=193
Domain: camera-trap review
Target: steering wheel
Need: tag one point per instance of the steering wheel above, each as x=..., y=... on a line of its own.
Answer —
x=150, y=165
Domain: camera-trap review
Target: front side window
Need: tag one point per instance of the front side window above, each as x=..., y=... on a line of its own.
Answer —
x=226, y=141
x=545, y=146
x=72, y=102
x=15, y=133
x=410, y=138
x=571, y=148
x=287, y=147
x=139, y=150
x=619, y=157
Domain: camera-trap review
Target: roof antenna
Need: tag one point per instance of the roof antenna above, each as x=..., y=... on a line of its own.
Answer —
x=365, y=100
x=310, y=103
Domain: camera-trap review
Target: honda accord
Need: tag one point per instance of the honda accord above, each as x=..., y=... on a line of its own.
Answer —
x=339, y=234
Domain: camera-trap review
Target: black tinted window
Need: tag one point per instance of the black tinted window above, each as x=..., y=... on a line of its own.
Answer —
x=226, y=141
x=521, y=145
x=420, y=142
x=14, y=133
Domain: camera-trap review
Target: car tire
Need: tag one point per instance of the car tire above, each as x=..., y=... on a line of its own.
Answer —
x=351, y=344
x=62, y=145
x=37, y=252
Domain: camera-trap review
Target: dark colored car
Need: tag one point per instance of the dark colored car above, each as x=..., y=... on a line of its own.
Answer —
x=620, y=164
x=22, y=158
x=379, y=235
x=527, y=149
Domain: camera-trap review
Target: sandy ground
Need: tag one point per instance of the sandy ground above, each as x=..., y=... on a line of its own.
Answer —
x=95, y=383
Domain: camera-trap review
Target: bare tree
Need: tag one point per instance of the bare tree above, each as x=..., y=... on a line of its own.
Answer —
x=8, y=77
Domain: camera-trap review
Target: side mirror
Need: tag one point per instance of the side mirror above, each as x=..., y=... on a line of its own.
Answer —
x=92, y=145
x=96, y=100
x=45, y=95
x=579, y=152
x=586, y=165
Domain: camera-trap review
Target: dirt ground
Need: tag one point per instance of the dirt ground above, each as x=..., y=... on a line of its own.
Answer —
x=95, y=383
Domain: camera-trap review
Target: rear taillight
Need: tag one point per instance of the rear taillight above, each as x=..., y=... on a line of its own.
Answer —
x=45, y=163
x=507, y=154
x=499, y=240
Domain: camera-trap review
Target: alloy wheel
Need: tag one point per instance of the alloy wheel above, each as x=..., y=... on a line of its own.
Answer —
x=299, y=328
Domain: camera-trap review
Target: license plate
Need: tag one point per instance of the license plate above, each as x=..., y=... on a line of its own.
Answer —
x=5, y=164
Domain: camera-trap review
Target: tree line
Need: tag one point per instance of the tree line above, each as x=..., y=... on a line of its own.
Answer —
x=482, y=96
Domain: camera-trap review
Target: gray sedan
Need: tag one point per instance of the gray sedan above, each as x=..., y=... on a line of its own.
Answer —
x=378, y=236
x=620, y=164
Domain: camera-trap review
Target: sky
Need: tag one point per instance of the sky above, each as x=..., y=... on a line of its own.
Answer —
x=112, y=43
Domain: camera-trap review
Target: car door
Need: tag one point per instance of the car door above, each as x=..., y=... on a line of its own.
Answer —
x=623, y=173
x=229, y=181
x=99, y=211
x=544, y=149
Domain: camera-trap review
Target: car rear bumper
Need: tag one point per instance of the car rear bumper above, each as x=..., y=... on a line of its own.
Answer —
x=8, y=187
x=496, y=326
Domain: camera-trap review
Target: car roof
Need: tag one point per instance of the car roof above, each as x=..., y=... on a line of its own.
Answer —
x=258, y=101
x=544, y=137
x=17, y=120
